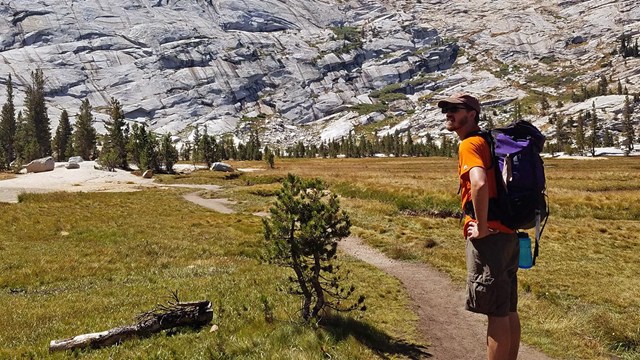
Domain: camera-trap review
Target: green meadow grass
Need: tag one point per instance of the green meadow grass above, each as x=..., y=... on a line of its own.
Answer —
x=75, y=263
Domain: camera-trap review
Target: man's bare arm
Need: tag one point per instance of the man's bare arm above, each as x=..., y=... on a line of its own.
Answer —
x=480, y=199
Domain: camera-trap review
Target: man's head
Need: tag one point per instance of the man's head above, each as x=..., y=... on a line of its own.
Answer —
x=462, y=111
x=460, y=99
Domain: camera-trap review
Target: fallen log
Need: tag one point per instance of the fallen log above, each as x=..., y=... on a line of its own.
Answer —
x=163, y=317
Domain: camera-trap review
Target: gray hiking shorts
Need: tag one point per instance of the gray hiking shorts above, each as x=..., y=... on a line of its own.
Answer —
x=492, y=268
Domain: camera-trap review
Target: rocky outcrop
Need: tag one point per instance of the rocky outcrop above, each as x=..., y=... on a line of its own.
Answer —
x=180, y=64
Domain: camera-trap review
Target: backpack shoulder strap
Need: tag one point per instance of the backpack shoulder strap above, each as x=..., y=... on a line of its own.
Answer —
x=488, y=137
x=494, y=204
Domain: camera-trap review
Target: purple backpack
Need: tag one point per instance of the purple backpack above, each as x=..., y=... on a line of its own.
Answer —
x=517, y=150
x=521, y=202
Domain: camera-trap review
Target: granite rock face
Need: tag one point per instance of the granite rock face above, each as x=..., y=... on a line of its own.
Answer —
x=179, y=63
x=302, y=66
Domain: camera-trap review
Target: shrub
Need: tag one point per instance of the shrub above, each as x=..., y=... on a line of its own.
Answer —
x=302, y=233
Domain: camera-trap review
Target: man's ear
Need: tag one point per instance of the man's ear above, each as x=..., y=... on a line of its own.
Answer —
x=476, y=116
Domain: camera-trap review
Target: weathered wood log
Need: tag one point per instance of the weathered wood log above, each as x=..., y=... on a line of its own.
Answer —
x=163, y=317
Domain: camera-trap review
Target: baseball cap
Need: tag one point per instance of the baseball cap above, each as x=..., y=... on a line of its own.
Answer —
x=463, y=99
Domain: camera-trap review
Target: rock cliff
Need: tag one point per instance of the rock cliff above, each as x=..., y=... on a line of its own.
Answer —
x=307, y=69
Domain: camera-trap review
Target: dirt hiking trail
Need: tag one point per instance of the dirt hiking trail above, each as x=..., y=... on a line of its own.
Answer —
x=454, y=333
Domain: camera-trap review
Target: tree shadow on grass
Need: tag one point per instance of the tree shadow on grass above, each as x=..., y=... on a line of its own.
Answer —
x=341, y=327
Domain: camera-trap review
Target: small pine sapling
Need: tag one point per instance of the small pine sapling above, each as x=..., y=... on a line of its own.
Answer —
x=302, y=233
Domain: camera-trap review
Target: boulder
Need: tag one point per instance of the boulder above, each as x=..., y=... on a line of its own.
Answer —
x=220, y=166
x=148, y=174
x=76, y=159
x=72, y=165
x=41, y=165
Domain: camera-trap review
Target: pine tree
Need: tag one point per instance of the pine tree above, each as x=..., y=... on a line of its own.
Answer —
x=257, y=154
x=628, y=131
x=196, y=142
x=84, y=137
x=397, y=145
x=359, y=150
x=299, y=150
x=334, y=149
x=168, y=153
x=517, y=111
x=205, y=148
x=408, y=145
x=561, y=133
x=324, y=150
x=241, y=152
x=8, y=128
x=36, y=114
x=302, y=233
x=224, y=152
x=63, y=141
x=580, y=141
x=114, y=145
x=230, y=150
x=26, y=145
x=619, y=89
x=593, y=135
x=216, y=150
x=624, y=44
x=603, y=85
x=544, y=103
x=446, y=147
x=209, y=149
x=149, y=156
x=143, y=148
x=269, y=157
x=185, y=151
x=312, y=151
x=607, y=139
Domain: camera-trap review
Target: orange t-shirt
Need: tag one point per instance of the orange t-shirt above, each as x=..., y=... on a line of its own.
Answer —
x=474, y=151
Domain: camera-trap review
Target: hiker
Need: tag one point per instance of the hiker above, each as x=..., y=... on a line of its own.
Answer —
x=491, y=247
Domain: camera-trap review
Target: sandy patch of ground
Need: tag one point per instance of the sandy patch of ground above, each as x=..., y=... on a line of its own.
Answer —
x=84, y=179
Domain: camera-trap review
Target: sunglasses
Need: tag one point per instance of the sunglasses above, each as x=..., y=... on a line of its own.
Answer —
x=452, y=109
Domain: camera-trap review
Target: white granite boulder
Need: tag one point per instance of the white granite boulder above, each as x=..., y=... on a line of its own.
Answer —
x=41, y=165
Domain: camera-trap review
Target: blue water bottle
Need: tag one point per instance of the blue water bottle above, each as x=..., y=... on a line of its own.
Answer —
x=525, y=261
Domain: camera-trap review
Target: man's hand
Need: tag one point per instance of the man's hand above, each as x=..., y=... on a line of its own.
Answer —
x=475, y=231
